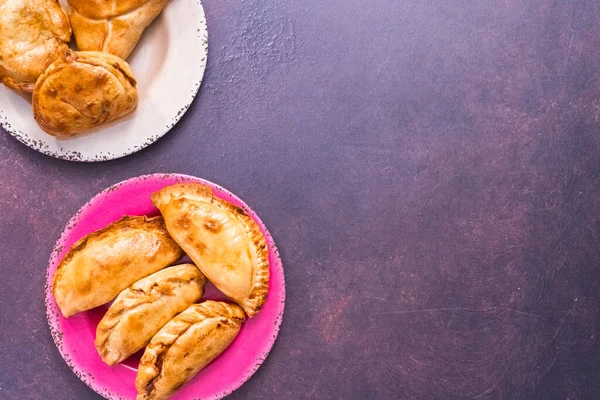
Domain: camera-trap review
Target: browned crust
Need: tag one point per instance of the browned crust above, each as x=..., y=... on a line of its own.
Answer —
x=197, y=191
x=113, y=64
x=8, y=81
x=158, y=348
x=61, y=33
x=130, y=222
x=140, y=293
x=101, y=10
x=121, y=29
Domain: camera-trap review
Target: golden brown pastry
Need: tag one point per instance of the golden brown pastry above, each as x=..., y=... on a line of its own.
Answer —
x=82, y=90
x=186, y=345
x=33, y=33
x=113, y=26
x=143, y=308
x=99, y=266
x=222, y=240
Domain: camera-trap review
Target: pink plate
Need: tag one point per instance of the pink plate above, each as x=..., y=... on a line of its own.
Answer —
x=74, y=336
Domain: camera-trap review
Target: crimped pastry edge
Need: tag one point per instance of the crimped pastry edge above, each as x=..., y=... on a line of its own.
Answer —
x=133, y=222
x=134, y=296
x=118, y=67
x=27, y=87
x=174, y=329
x=9, y=82
x=197, y=191
x=144, y=14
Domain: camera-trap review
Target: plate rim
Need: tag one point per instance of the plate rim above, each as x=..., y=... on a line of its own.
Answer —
x=53, y=314
x=76, y=156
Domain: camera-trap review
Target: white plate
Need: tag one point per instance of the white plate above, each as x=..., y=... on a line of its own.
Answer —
x=168, y=64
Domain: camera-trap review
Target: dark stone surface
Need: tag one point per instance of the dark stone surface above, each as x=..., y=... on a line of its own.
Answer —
x=429, y=169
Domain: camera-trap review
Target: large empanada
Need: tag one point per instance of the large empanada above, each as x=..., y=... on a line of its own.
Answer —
x=113, y=26
x=33, y=33
x=82, y=90
x=186, y=345
x=98, y=267
x=222, y=240
x=143, y=308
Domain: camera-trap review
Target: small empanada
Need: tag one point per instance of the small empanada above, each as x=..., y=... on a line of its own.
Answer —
x=222, y=240
x=98, y=267
x=82, y=90
x=184, y=346
x=113, y=26
x=143, y=308
x=33, y=33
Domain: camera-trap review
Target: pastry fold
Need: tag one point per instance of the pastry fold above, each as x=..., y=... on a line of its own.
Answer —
x=143, y=308
x=222, y=240
x=102, y=264
x=82, y=90
x=112, y=26
x=33, y=33
x=184, y=346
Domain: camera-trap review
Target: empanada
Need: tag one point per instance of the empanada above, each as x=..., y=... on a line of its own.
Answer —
x=222, y=240
x=98, y=267
x=186, y=345
x=113, y=26
x=143, y=308
x=33, y=33
x=82, y=90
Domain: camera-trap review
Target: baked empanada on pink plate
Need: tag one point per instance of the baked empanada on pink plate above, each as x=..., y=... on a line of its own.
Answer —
x=222, y=240
x=143, y=308
x=104, y=263
x=184, y=346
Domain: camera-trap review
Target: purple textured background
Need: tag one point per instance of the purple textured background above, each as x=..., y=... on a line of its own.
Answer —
x=430, y=171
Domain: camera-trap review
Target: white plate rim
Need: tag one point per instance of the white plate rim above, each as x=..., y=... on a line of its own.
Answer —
x=70, y=155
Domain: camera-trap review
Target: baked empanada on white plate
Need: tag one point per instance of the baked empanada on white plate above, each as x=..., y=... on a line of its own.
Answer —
x=81, y=90
x=112, y=26
x=143, y=308
x=33, y=33
x=98, y=267
x=184, y=346
x=222, y=240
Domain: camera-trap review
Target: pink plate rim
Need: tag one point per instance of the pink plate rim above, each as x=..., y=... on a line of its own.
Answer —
x=55, y=319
